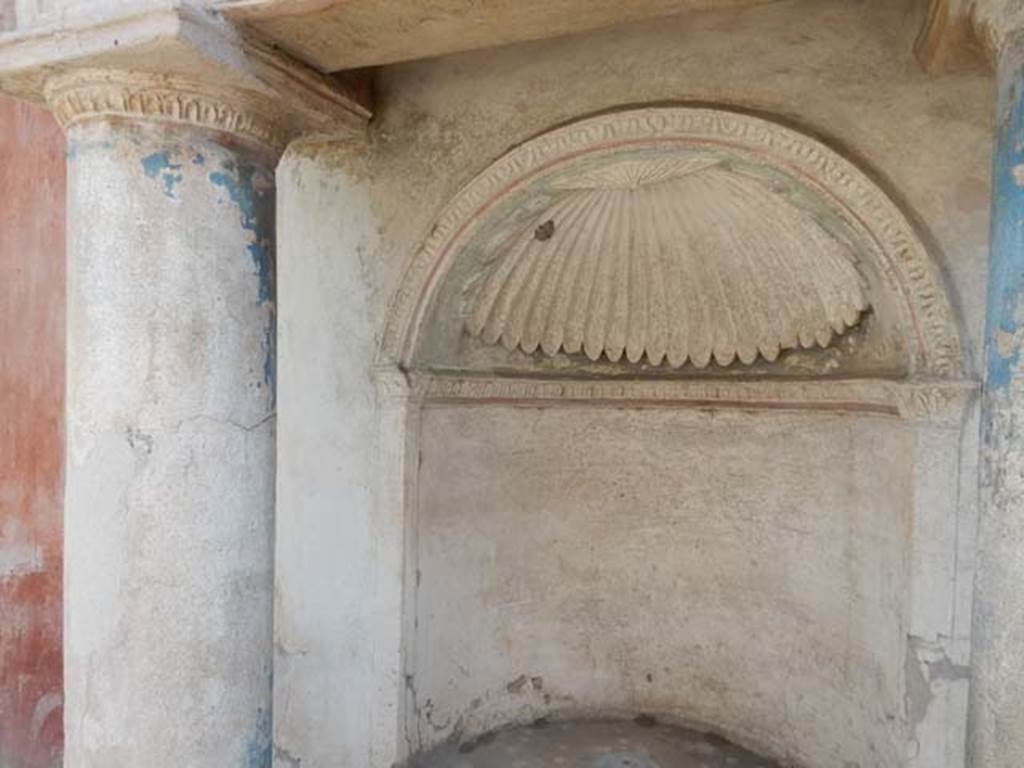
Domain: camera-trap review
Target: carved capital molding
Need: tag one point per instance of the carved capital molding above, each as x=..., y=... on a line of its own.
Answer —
x=89, y=94
x=178, y=65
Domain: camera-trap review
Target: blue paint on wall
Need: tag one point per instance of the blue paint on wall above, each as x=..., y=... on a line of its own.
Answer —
x=198, y=159
x=159, y=164
x=253, y=195
x=1006, y=261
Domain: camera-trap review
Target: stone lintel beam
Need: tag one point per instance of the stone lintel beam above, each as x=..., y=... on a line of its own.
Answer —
x=178, y=64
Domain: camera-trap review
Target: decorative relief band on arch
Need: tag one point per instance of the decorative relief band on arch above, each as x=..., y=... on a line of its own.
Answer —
x=677, y=257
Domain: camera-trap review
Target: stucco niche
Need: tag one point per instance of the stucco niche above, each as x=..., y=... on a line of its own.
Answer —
x=624, y=497
x=674, y=242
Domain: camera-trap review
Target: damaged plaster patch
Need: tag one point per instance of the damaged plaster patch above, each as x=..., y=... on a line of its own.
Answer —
x=47, y=705
x=18, y=561
x=1004, y=343
x=928, y=668
x=1018, y=174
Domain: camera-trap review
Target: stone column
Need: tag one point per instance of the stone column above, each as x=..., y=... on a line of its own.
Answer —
x=170, y=423
x=997, y=696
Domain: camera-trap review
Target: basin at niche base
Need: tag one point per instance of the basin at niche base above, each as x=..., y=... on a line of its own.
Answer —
x=642, y=743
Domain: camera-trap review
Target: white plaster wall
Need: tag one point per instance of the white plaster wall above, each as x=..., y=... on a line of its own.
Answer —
x=742, y=571
x=351, y=219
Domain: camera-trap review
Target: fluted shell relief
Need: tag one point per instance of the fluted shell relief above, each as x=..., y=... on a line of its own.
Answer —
x=676, y=258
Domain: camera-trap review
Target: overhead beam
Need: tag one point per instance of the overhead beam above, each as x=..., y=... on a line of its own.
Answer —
x=345, y=34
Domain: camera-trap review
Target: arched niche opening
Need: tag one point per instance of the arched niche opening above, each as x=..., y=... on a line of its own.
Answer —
x=687, y=408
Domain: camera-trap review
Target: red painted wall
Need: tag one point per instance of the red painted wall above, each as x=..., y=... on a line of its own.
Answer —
x=31, y=435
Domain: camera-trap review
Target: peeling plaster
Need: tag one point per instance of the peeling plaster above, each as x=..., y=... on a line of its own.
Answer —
x=255, y=200
x=928, y=666
x=255, y=204
x=158, y=164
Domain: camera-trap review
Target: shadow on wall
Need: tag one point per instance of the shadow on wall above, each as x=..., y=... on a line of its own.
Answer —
x=31, y=435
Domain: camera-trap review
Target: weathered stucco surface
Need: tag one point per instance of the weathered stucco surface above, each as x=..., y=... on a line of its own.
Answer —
x=31, y=435
x=170, y=452
x=841, y=71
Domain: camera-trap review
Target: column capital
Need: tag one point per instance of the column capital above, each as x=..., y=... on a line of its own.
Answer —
x=997, y=24
x=80, y=95
x=177, y=65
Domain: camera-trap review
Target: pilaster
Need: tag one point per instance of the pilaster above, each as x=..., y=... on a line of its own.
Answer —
x=997, y=690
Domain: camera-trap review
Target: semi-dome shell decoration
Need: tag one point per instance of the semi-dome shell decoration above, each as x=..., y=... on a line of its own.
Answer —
x=678, y=258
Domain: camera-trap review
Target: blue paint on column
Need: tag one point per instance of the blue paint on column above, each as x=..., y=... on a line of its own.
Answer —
x=256, y=208
x=270, y=357
x=159, y=164
x=259, y=751
x=255, y=200
x=1005, y=309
